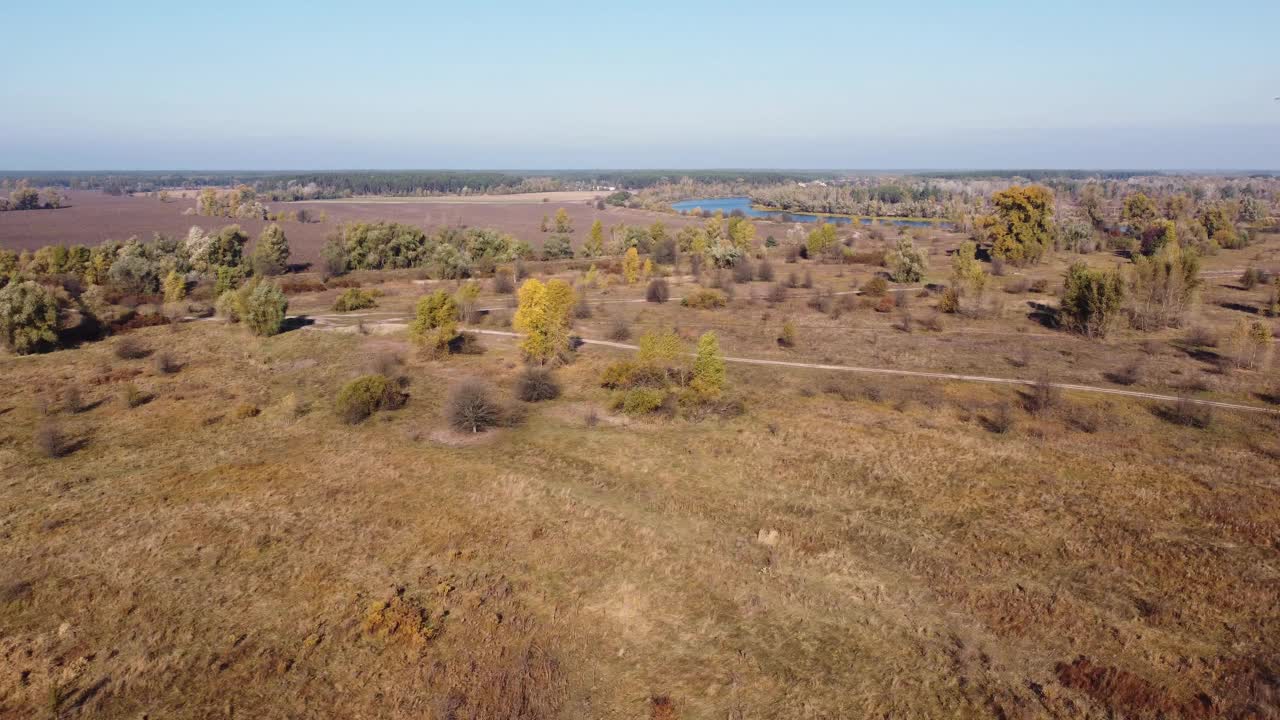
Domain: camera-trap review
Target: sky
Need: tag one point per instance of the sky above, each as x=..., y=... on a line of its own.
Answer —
x=515, y=85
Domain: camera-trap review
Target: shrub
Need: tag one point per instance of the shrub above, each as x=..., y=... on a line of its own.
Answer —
x=1252, y=277
x=471, y=407
x=129, y=348
x=618, y=375
x=619, y=329
x=1201, y=336
x=48, y=440
x=1091, y=300
x=886, y=304
x=777, y=294
x=230, y=306
x=764, y=271
x=246, y=410
x=536, y=384
x=165, y=364
x=1001, y=419
x=73, y=401
x=875, y=287
x=787, y=338
x=355, y=299
x=658, y=291
x=950, y=302
x=504, y=281
x=582, y=308
x=1043, y=396
x=642, y=401
x=133, y=397
x=1130, y=374
x=364, y=396
x=705, y=299
x=1188, y=413
x=28, y=318
x=265, y=309
x=743, y=272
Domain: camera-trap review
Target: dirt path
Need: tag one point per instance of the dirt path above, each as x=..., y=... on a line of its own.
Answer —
x=937, y=376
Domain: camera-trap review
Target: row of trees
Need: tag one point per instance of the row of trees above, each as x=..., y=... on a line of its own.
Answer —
x=85, y=285
x=450, y=252
x=28, y=198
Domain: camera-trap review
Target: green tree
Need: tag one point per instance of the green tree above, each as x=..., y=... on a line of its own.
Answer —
x=906, y=264
x=265, y=309
x=271, y=254
x=1159, y=235
x=543, y=314
x=821, y=239
x=658, y=348
x=967, y=274
x=708, y=367
x=227, y=247
x=435, y=322
x=1022, y=228
x=1139, y=213
x=28, y=318
x=1164, y=286
x=1091, y=300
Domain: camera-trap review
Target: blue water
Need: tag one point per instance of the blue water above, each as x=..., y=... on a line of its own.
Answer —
x=728, y=205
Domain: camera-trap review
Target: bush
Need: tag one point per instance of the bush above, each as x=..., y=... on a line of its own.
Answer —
x=886, y=304
x=366, y=395
x=875, y=287
x=49, y=441
x=28, y=318
x=265, y=309
x=355, y=299
x=705, y=299
x=536, y=384
x=905, y=262
x=133, y=397
x=1252, y=277
x=787, y=338
x=743, y=272
x=950, y=302
x=764, y=271
x=658, y=291
x=504, y=281
x=1188, y=413
x=129, y=348
x=1043, y=396
x=619, y=329
x=1091, y=300
x=642, y=401
x=1200, y=336
x=230, y=306
x=471, y=407
x=165, y=364
x=1001, y=419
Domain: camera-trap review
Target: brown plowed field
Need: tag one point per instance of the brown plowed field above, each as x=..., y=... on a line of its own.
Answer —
x=93, y=217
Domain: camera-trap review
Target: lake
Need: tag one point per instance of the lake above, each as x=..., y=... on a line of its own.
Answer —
x=728, y=205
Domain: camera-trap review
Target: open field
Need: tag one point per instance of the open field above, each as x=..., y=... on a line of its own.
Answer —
x=94, y=217
x=565, y=196
x=851, y=546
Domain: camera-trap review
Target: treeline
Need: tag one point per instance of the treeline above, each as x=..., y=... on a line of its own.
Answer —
x=278, y=186
x=1038, y=175
x=28, y=198
x=909, y=198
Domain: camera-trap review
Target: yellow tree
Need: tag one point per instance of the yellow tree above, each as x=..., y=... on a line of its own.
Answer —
x=435, y=324
x=1022, y=229
x=595, y=241
x=563, y=223
x=631, y=265
x=708, y=367
x=543, y=315
x=743, y=233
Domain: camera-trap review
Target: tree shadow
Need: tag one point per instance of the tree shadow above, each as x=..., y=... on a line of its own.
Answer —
x=1046, y=315
x=1239, y=306
x=296, y=322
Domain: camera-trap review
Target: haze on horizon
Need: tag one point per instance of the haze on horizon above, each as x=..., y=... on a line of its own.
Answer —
x=506, y=85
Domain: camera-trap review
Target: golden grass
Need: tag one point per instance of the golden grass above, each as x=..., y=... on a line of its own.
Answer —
x=851, y=547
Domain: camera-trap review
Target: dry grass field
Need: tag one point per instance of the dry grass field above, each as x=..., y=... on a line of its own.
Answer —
x=853, y=545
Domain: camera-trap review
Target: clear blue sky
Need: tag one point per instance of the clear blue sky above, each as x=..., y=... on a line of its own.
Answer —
x=517, y=84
